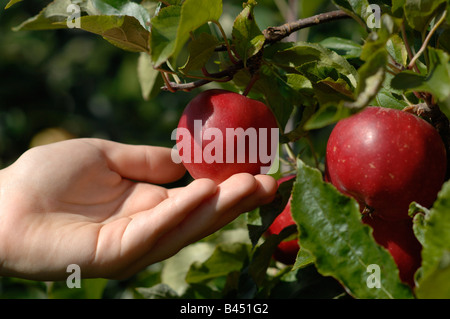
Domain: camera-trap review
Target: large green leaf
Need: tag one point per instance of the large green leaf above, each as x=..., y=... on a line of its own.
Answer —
x=121, y=28
x=342, y=246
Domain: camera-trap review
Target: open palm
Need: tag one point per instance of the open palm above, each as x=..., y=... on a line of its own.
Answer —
x=99, y=204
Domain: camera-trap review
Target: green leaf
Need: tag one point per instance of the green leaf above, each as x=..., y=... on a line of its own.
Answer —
x=344, y=47
x=124, y=7
x=48, y=18
x=259, y=220
x=11, y=3
x=89, y=289
x=436, y=285
x=328, y=114
x=371, y=77
x=358, y=9
x=385, y=98
x=200, y=50
x=263, y=254
x=247, y=37
x=227, y=257
x=164, y=33
x=444, y=41
x=304, y=258
x=397, y=7
x=418, y=213
x=418, y=13
x=435, y=82
x=379, y=38
x=147, y=75
x=315, y=62
x=125, y=32
x=299, y=130
x=195, y=13
x=331, y=230
x=175, y=268
x=172, y=26
x=436, y=237
x=397, y=49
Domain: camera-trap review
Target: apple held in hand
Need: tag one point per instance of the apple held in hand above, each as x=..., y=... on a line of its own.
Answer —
x=399, y=239
x=222, y=133
x=286, y=251
x=386, y=159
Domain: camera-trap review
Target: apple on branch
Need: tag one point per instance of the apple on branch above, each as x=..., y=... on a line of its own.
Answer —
x=386, y=159
x=222, y=133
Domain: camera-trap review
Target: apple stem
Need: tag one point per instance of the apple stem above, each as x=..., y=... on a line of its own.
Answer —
x=367, y=211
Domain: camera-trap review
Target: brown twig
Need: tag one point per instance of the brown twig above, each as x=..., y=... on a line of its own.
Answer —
x=274, y=34
x=271, y=34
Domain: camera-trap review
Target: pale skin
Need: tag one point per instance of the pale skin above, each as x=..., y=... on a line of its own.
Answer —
x=99, y=204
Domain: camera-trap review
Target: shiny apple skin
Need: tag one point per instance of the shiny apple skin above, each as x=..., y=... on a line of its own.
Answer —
x=385, y=159
x=223, y=109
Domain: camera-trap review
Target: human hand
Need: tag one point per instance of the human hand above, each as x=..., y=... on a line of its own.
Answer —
x=96, y=203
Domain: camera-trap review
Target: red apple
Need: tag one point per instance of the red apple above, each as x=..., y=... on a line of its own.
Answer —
x=222, y=133
x=399, y=239
x=386, y=159
x=286, y=251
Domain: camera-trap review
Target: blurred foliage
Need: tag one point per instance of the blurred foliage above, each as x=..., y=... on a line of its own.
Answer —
x=67, y=83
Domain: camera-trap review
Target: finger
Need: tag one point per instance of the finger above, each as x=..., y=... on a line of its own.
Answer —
x=240, y=193
x=147, y=227
x=264, y=194
x=152, y=164
x=228, y=209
